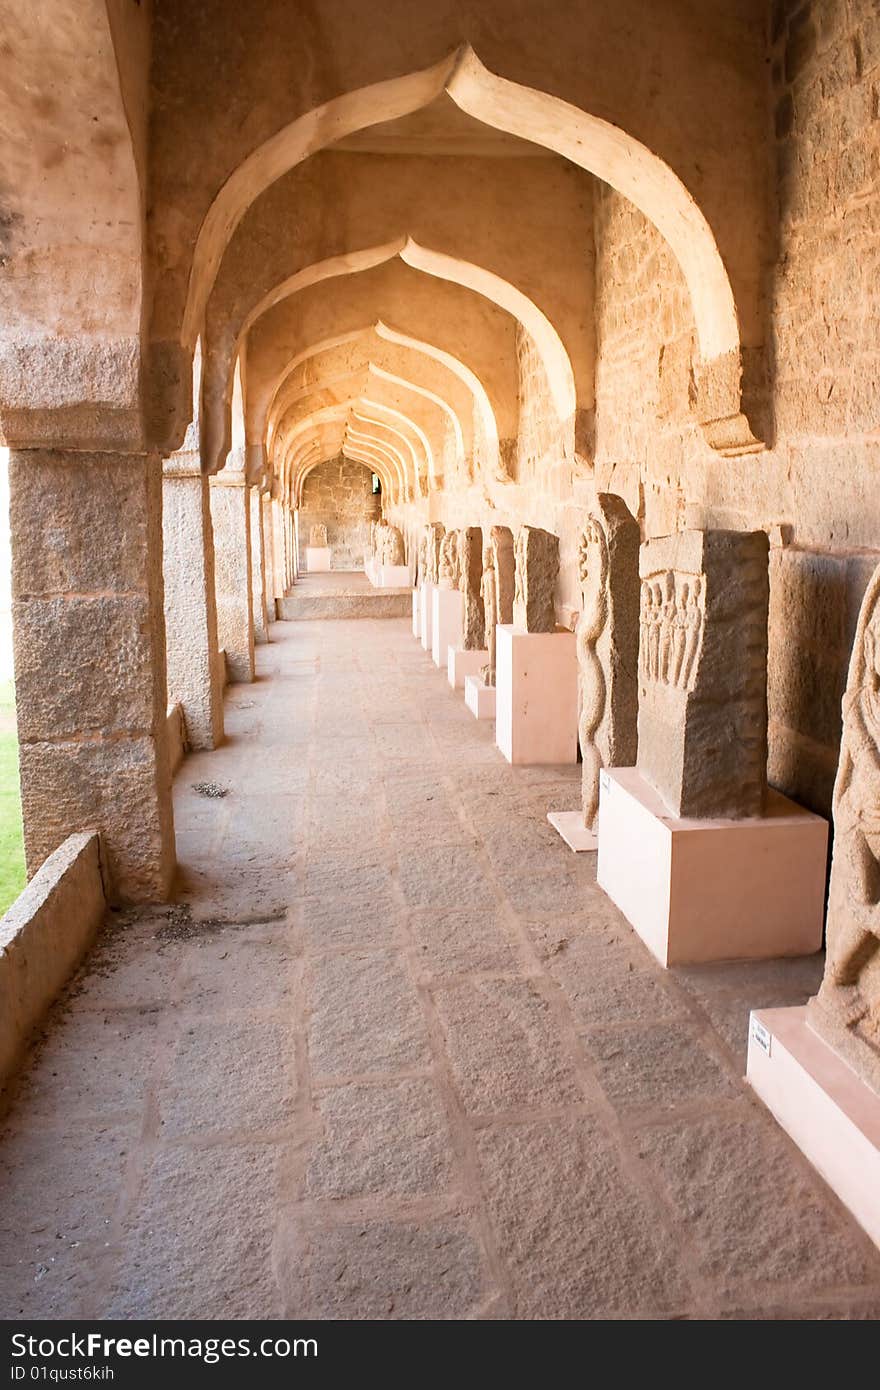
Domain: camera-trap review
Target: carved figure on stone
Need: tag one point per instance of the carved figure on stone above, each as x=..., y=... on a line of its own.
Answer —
x=536, y=573
x=501, y=541
x=434, y=533
x=470, y=556
x=318, y=536
x=373, y=527
x=449, y=573
x=846, y=1011
x=421, y=560
x=489, y=595
x=702, y=741
x=607, y=643
x=393, y=549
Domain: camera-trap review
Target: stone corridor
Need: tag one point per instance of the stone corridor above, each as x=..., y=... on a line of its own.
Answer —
x=393, y=1054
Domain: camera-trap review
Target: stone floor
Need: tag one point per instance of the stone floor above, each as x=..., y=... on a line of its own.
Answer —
x=395, y=1056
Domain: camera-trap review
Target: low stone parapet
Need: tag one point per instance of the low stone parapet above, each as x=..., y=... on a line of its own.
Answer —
x=43, y=937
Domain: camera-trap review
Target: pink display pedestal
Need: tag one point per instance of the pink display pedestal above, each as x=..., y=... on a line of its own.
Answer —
x=416, y=618
x=832, y=1116
x=570, y=825
x=445, y=623
x=388, y=576
x=479, y=697
x=460, y=664
x=317, y=559
x=537, y=694
x=426, y=614
x=709, y=890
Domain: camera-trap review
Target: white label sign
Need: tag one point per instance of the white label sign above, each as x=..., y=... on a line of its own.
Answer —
x=761, y=1035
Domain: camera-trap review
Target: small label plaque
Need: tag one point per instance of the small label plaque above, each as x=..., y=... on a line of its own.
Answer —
x=604, y=781
x=761, y=1035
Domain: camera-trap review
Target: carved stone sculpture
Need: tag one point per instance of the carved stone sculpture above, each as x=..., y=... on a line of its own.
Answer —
x=388, y=545
x=607, y=636
x=703, y=671
x=448, y=565
x=422, y=560
x=537, y=570
x=318, y=536
x=846, y=1011
x=470, y=557
x=501, y=540
x=434, y=533
x=489, y=595
x=373, y=527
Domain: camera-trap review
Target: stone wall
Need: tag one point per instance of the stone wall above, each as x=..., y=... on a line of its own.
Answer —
x=810, y=393
x=339, y=493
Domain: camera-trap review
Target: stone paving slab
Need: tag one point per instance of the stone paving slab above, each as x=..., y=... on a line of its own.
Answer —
x=392, y=1054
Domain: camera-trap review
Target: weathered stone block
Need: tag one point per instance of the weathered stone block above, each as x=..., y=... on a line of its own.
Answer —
x=470, y=553
x=536, y=573
x=107, y=648
x=122, y=788
x=703, y=671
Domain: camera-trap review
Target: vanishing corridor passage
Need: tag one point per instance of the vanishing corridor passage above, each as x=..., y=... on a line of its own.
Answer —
x=399, y=1057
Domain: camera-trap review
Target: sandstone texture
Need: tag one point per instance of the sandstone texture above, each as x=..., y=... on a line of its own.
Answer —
x=607, y=635
x=702, y=725
x=536, y=571
x=847, y=1009
x=470, y=554
x=329, y=1084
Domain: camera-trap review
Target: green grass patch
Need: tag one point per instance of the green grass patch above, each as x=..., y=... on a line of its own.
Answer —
x=12, y=874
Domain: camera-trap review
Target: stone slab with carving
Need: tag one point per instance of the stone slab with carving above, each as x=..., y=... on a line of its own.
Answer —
x=318, y=536
x=434, y=533
x=846, y=1011
x=470, y=555
x=607, y=637
x=449, y=563
x=496, y=589
x=536, y=573
x=702, y=727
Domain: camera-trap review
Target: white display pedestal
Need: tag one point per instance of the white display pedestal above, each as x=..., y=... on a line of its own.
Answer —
x=479, y=697
x=417, y=613
x=317, y=559
x=387, y=576
x=426, y=614
x=445, y=623
x=570, y=825
x=832, y=1116
x=536, y=714
x=709, y=890
x=370, y=569
x=460, y=663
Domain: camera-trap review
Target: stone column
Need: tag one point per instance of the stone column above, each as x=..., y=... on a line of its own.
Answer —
x=195, y=680
x=258, y=571
x=270, y=557
x=90, y=661
x=280, y=553
x=230, y=513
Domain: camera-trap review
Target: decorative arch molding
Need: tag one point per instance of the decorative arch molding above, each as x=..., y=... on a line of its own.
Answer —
x=340, y=412
x=324, y=448
x=482, y=404
x=549, y=345
x=593, y=144
x=415, y=441
x=329, y=383
x=373, y=465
